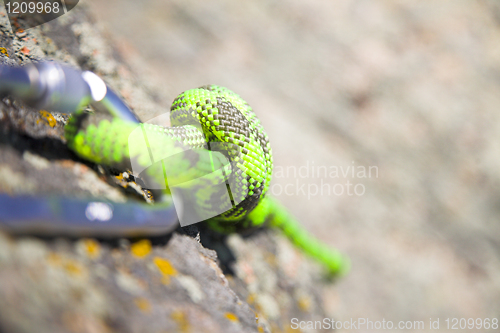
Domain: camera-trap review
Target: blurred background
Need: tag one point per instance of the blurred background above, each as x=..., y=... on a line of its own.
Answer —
x=409, y=88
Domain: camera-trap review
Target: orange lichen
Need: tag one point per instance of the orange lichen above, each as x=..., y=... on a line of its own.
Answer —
x=143, y=304
x=251, y=298
x=304, y=303
x=180, y=318
x=49, y=118
x=25, y=50
x=165, y=280
x=271, y=259
x=54, y=259
x=165, y=267
x=92, y=248
x=122, y=181
x=141, y=248
x=232, y=317
x=69, y=265
x=73, y=268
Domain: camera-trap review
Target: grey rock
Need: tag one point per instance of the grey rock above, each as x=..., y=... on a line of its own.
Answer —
x=166, y=284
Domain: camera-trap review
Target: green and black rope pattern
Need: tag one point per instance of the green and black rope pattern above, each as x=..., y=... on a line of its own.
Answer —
x=210, y=117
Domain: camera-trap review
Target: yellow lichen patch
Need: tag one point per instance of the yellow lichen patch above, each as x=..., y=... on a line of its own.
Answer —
x=54, y=259
x=165, y=280
x=165, y=267
x=141, y=248
x=180, y=318
x=92, y=248
x=69, y=265
x=122, y=180
x=73, y=268
x=4, y=51
x=251, y=298
x=261, y=329
x=143, y=304
x=49, y=118
x=304, y=303
x=289, y=329
x=271, y=260
x=232, y=317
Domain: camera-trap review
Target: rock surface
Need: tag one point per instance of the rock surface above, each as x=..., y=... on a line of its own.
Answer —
x=411, y=87
x=163, y=284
